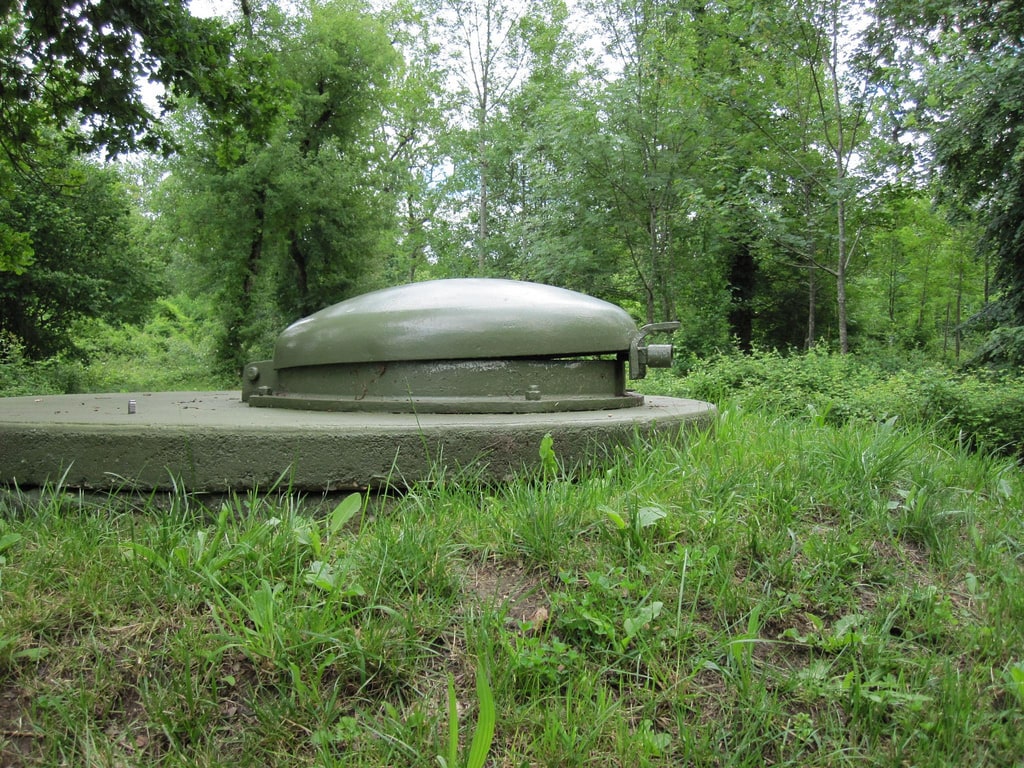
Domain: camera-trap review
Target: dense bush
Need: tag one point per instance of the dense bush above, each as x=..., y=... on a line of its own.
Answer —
x=172, y=350
x=20, y=376
x=979, y=407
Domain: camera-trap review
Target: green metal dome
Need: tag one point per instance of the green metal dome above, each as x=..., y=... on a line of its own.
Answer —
x=461, y=319
x=458, y=346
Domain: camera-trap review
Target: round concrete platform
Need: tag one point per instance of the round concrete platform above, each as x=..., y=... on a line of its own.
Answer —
x=212, y=441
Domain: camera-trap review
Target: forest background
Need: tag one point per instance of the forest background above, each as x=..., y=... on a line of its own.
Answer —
x=784, y=175
x=829, y=195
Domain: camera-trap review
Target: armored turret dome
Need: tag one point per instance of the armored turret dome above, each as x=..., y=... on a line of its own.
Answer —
x=461, y=319
x=462, y=345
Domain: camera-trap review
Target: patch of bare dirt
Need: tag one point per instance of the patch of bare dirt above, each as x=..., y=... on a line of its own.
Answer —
x=507, y=586
x=20, y=743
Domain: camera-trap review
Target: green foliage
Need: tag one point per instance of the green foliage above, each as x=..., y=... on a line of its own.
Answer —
x=483, y=734
x=984, y=408
x=799, y=591
x=73, y=218
x=16, y=252
x=788, y=383
x=21, y=376
x=96, y=55
x=981, y=408
x=683, y=173
x=636, y=529
x=967, y=88
x=1015, y=681
x=1004, y=348
x=172, y=350
x=920, y=282
x=606, y=611
x=278, y=208
x=540, y=665
x=548, y=459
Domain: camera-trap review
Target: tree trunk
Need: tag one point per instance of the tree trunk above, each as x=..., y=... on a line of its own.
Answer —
x=301, y=270
x=840, y=147
x=233, y=347
x=252, y=263
x=945, y=331
x=742, y=284
x=812, y=306
x=959, y=311
x=844, y=342
x=482, y=214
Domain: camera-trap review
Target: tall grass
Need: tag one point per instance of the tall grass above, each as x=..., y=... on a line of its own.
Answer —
x=783, y=590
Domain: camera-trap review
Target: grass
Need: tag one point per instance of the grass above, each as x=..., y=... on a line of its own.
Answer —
x=784, y=591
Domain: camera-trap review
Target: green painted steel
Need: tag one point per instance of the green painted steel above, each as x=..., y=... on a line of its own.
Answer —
x=459, y=346
x=460, y=319
x=446, y=386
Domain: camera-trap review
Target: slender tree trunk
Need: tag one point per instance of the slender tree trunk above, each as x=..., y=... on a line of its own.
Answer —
x=301, y=270
x=959, y=311
x=483, y=113
x=252, y=262
x=923, y=300
x=255, y=256
x=482, y=213
x=945, y=331
x=652, y=231
x=893, y=289
x=233, y=345
x=415, y=230
x=812, y=306
x=986, y=295
x=839, y=152
x=844, y=342
x=742, y=285
x=840, y=155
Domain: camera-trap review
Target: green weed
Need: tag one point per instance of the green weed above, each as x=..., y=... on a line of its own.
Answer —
x=483, y=733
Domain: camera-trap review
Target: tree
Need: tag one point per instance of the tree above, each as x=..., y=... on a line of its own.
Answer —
x=650, y=138
x=414, y=140
x=16, y=252
x=955, y=73
x=278, y=203
x=843, y=119
x=540, y=205
x=79, y=65
x=76, y=219
x=920, y=279
x=323, y=202
x=487, y=60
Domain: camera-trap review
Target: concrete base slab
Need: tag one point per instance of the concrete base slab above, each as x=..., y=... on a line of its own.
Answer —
x=211, y=441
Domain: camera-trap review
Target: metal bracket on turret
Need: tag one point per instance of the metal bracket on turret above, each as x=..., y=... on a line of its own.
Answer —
x=652, y=355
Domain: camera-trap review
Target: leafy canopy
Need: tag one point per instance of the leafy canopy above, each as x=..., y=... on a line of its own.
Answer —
x=79, y=65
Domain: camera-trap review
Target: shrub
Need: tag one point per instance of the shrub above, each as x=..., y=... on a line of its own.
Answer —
x=21, y=376
x=984, y=409
x=172, y=350
x=786, y=383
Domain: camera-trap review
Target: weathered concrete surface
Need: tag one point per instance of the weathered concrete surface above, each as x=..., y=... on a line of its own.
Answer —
x=211, y=441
